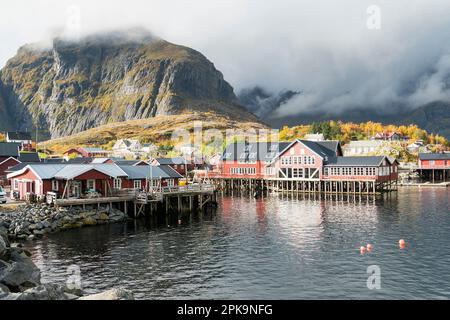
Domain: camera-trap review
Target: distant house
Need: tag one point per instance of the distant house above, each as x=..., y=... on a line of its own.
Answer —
x=86, y=152
x=127, y=148
x=315, y=137
x=388, y=136
x=179, y=164
x=10, y=156
x=362, y=147
x=434, y=166
x=23, y=138
x=149, y=148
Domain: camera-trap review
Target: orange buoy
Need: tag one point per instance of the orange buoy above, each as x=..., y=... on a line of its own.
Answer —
x=402, y=244
x=369, y=247
x=362, y=250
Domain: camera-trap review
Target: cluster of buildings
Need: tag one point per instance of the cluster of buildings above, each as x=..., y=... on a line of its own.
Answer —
x=307, y=164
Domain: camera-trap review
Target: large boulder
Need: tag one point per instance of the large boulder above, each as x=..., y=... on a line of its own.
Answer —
x=19, y=272
x=113, y=294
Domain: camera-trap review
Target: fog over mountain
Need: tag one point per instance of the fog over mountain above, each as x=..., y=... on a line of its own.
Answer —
x=320, y=48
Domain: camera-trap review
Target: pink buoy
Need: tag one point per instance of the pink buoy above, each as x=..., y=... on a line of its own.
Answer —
x=402, y=244
x=369, y=247
x=362, y=250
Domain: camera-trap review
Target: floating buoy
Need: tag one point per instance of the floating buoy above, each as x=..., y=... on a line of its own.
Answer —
x=362, y=250
x=179, y=221
x=369, y=247
x=402, y=244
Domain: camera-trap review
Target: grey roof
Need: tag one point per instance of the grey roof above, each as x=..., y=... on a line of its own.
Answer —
x=253, y=151
x=170, y=171
x=143, y=172
x=9, y=149
x=17, y=167
x=46, y=171
x=74, y=170
x=355, y=161
x=53, y=160
x=171, y=161
x=83, y=160
x=434, y=156
x=19, y=135
x=94, y=150
x=29, y=157
x=123, y=162
x=325, y=149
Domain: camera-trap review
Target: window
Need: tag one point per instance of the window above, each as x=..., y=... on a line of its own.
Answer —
x=55, y=185
x=91, y=184
x=170, y=182
x=137, y=184
x=16, y=184
x=118, y=183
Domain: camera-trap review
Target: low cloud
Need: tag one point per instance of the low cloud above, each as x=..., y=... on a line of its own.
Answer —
x=320, y=48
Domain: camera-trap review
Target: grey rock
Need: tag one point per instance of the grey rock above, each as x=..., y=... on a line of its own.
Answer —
x=113, y=294
x=20, y=272
x=44, y=292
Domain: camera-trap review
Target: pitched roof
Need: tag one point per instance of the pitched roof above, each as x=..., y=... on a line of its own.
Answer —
x=253, y=151
x=43, y=171
x=434, y=156
x=94, y=150
x=324, y=149
x=84, y=160
x=171, y=161
x=356, y=161
x=9, y=149
x=72, y=171
x=16, y=135
x=17, y=167
x=122, y=162
x=29, y=157
x=143, y=172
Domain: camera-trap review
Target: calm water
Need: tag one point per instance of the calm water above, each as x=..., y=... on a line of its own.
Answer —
x=274, y=248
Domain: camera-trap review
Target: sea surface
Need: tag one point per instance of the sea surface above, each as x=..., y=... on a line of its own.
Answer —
x=276, y=247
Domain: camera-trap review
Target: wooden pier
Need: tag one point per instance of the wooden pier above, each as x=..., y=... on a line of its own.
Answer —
x=305, y=186
x=168, y=199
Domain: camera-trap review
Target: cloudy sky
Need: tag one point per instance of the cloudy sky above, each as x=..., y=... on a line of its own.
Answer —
x=338, y=53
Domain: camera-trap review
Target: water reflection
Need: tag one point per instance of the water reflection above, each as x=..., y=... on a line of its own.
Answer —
x=280, y=246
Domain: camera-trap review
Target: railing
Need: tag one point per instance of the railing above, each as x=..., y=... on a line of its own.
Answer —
x=190, y=188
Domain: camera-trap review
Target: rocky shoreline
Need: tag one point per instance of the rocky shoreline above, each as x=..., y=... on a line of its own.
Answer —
x=20, y=278
x=32, y=221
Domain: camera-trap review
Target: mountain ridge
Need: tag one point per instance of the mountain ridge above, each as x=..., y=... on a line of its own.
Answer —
x=99, y=80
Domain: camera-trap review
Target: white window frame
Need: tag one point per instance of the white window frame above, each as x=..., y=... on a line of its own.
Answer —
x=16, y=184
x=137, y=184
x=89, y=181
x=117, y=184
x=55, y=185
x=170, y=182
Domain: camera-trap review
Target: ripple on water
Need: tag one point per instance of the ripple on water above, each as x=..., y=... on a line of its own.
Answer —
x=280, y=247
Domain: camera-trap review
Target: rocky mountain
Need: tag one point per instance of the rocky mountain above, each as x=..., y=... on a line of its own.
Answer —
x=72, y=86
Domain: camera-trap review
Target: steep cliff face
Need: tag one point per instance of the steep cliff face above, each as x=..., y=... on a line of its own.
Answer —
x=77, y=85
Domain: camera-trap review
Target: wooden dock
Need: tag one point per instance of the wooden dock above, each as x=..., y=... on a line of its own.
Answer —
x=168, y=199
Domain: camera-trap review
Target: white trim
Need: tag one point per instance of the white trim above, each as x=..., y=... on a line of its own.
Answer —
x=289, y=146
x=10, y=158
x=18, y=173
